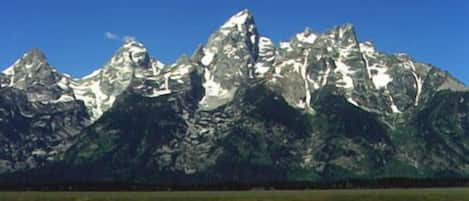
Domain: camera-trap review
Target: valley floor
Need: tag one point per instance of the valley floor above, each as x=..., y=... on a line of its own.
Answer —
x=429, y=194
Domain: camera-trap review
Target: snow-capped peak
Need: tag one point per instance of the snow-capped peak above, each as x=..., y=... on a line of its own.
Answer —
x=11, y=69
x=32, y=58
x=129, y=43
x=367, y=47
x=238, y=20
x=343, y=33
x=131, y=52
x=35, y=55
x=242, y=24
x=32, y=65
x=42, y=82
x=306, y=36
x=345, y=28
x=99, y=90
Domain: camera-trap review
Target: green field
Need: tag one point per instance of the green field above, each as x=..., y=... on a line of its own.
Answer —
x=438, y=194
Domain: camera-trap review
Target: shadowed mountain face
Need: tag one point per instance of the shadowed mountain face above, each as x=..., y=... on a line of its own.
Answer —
x=321, y=106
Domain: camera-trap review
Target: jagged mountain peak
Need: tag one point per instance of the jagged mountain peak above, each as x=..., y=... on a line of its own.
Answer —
x=240, y=31
x=35, y=54
x=133, y=45
x=131, y=55
x=32, y=59
x=308, y=30
x=228, y=59
x=240, y=20
x=367, y=47
x=344, y=29
x=345, y=32
x=132, y=52
x=130, y=67
x=38, y=79
x=32, y=70
x=307, y=36
x=184, y=59
x=242, y=26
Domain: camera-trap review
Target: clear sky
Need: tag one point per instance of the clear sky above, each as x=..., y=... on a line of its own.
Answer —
x=72, y=33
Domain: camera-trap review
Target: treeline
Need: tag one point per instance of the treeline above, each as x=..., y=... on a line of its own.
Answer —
x=344, y=184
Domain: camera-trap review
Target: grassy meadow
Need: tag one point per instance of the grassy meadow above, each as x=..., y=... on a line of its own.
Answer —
x=434, y=194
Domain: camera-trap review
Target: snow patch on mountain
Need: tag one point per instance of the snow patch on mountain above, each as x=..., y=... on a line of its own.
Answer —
x=163, y=90
x=306, y=37
x=350, y=100
x=367, y=47
x=286, y=46
x=418, y=81
x=377, y=72
x=307, y=101
x=208, y=57
x=96, y=101
x=266, y=56
x=394, y=107
x=10, y=71
x=212, y=88
x=380, y=78
x=237, y=20
x=99, y=89
x=261, y=69
x=214, y=92
x=324, y=78
x=345, y=80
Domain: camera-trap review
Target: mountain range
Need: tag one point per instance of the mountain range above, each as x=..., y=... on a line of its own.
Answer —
x=319, y=107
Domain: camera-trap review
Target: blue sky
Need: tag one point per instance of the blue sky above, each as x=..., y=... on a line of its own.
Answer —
x=72, y=33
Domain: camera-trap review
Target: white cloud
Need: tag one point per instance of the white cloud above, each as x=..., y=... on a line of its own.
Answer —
x=111, y=36
x=114, y=36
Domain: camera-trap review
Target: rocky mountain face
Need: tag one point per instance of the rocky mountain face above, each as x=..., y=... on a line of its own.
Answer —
x=38, y=113
x=321, y=106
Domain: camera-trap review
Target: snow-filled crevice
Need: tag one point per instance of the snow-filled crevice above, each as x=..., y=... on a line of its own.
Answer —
x=418, y=82
x=303, y=69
